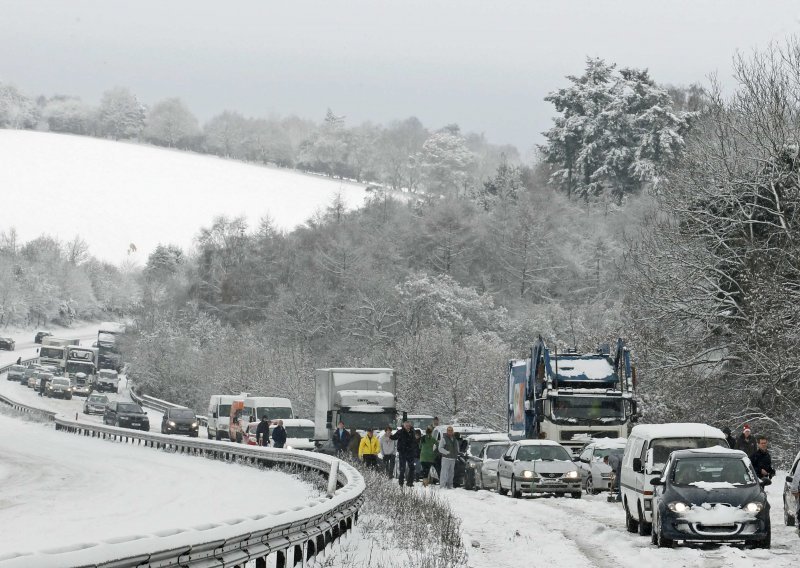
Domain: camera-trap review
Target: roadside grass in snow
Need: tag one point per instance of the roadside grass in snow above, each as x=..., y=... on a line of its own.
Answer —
x=400, y=527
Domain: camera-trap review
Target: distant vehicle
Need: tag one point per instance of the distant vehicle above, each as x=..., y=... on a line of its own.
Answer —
x=180, y=421
x=646, y=452
x=595, y=474
x=472, y=459
x=40, y=376
x=15, y=373
x=418, y=421
x=538, y=466
x=249, y=436
x=485, y=464
x=59, y=387
x=219, y=411
x=107, y=381
x=81, y=360
x=41, y=335
x=109, y=356
x=790, y=501
x=54, y=351
x=299, y=434
x=273, y=407
x=126, y=415
x=81, y=385
x=95, y=404
x=710, y=495
x=7, y=343
x=237, y=422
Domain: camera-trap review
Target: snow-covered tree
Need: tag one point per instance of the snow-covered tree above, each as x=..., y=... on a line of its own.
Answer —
x=327, y=148
x=120, y=115
x=17, y=110
x=225, y=134
x=68, y=114
x=446, y=162
x=170, y=123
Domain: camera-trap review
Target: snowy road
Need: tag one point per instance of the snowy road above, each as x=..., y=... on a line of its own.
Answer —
x=590, y=532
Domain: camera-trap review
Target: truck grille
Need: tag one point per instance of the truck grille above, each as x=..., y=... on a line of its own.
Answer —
x=568, y=435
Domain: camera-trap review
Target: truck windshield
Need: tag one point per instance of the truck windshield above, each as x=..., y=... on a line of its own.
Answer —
x=79, y=367
x=105, y=337
x=364, y=420
x=588, y=410
x=52, y=352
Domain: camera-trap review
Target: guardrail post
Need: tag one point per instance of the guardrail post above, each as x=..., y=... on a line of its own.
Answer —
x=333, y=478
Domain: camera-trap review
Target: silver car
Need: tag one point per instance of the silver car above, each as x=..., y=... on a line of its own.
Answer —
x=95, y=404
x=538, y=466
x=486, y=466
x=595, y=473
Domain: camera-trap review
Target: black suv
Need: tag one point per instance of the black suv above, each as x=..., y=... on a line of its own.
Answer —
x=179, y=421
x=7, y=343
x=41, y=335
x=126, y=415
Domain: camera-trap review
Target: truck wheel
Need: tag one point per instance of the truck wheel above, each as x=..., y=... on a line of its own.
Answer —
x=644, y=526
x=631, y=525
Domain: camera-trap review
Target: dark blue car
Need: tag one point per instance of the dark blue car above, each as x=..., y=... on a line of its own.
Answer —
x=710, y=495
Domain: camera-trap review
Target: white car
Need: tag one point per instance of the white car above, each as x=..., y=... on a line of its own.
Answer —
x=595, y=474
x=95, y=404
x=486, y=466
x=538, y=466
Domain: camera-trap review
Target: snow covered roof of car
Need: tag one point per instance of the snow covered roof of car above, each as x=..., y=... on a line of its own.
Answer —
x=493, y=437
x=677, y=430
x=538, y=443
x=297, y=422
x=608, y=443
x=712, y=450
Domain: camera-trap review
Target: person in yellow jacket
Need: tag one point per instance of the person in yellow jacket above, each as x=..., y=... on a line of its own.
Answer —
x=368, y=449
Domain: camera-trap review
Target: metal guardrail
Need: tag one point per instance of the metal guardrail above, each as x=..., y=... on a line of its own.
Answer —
x=158, y=404
x=290, y=537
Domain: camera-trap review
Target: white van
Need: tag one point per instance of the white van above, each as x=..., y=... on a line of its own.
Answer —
x=219, y=410
x=299, y=434
x=647, y=450
x=272, y=407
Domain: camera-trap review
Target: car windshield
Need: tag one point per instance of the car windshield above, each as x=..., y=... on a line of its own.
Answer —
x=182, y=413
x=544, y=453
x=663, y=447
x=693, y=471
x=300, y=432
x=61, y=382
x=496, y=452
x=476, y=447
x=600, y=453
x=98, y=398
x=129, y=407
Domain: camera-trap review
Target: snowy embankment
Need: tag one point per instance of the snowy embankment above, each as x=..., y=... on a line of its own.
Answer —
x=116, y=194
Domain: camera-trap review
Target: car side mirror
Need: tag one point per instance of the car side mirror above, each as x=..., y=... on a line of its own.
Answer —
x=656, y=481
x=507, y=458
x=789, y=478
x=637, y=465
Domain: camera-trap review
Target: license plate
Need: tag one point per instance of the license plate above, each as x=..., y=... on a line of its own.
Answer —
x=136, y=423
x=547, y=480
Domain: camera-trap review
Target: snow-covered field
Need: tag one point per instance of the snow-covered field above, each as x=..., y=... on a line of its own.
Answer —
x=115, y=194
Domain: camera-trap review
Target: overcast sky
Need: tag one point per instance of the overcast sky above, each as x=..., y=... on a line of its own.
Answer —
x=485, y=65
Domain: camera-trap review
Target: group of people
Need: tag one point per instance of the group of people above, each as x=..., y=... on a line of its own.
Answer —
x=419, y=457
x=755, y=448
x=278, y=433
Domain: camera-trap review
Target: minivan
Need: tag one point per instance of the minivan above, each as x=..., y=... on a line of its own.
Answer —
x=646, y=453
x=219, y=411
x=272, y=406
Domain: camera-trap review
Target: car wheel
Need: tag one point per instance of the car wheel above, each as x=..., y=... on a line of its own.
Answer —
x=654, y=533
x=500, y=489
x=788, y=518
x=661, y=540
x=631, y=525
x=515, y=493
x=644, y=526
x=765, y=542
x=577, y=495
x=590, y=486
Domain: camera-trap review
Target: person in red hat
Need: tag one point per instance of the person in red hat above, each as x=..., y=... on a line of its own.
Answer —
x=746, y=442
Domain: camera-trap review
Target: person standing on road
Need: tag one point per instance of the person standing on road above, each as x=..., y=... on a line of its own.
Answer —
x=448, y=447
x=341, y=439
x=614, y=461
x=368, y=449
x=728, y=438
x=427, y=455
x=262, y=432
x=437, y=435
x=745, y=442
x=19, y=360
x=388, y=448
x=279, y=435
x=355, y=442
x=761, y=460
x=406, y=452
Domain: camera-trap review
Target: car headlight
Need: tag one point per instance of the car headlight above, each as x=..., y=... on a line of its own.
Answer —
x=171, y=423
x=571, y=475
x=527, y=474
x=194, y=424
x=289, y=448
x=678, y=507
x=753, y=508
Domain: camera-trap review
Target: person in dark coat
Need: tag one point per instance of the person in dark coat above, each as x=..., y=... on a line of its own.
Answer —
x=406, y=452
x=761, y=460
x=355, y=442
x=19, y=360
x=728, y=438
x=341, y=439
x=262, y=432
x=279, y=435
x=745, y=442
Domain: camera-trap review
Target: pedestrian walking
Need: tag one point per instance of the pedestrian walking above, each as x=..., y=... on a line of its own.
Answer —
x=262, y=432
x=406, y=453
x=368, y=449
x=341, y=439
x=355, y=442
x=745, y=442
x=761, y=460
x=279, y=435
x=427, y=455
x=448, y=448
x=388, y=449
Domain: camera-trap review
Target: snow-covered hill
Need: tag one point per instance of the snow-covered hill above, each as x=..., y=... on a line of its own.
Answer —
x=115, y=194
